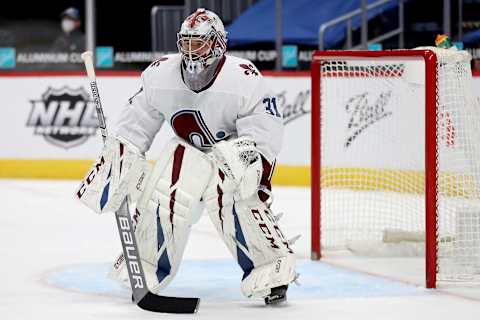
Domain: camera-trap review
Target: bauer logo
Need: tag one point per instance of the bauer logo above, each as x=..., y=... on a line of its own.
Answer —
x=65, y=117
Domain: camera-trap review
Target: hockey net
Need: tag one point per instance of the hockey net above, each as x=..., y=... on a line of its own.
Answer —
x=396, y=158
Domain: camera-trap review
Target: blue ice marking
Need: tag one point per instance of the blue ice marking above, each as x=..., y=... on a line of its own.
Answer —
x=218, y=280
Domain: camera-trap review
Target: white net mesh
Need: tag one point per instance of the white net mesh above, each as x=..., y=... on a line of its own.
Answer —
x=459, y=170
x=373, y=159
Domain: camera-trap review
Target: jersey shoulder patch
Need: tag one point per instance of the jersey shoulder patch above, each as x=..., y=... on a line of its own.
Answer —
x=239, y=76
x=164, y=61
x=157, y=62
x=243, y=67
x=166, y=67
x=249, y=69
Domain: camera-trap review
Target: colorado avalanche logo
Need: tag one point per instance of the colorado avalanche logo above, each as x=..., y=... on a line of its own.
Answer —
x=190, y=126
x=249, y=69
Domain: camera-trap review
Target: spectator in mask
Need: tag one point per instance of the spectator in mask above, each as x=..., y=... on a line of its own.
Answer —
x=72, y=38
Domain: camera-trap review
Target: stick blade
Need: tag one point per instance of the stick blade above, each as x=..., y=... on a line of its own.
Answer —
x=154, y=303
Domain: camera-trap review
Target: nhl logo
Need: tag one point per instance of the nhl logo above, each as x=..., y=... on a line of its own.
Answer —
x=65, y=117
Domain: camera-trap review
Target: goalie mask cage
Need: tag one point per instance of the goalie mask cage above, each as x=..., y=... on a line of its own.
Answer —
x=395, y=157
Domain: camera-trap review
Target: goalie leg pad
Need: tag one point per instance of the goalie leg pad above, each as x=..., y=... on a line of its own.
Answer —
x=167, y=210
x=252, y=235
x=261, y=280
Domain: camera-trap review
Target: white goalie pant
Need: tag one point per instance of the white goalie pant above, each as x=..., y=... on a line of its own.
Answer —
x=252, y=235
x=167, y=209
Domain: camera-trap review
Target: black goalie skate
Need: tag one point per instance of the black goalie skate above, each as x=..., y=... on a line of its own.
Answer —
x=277, y=295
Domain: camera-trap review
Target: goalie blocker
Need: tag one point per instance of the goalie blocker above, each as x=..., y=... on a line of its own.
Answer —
x=119, y=171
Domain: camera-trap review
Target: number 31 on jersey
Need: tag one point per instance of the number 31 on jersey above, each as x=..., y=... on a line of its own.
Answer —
x=271, y=106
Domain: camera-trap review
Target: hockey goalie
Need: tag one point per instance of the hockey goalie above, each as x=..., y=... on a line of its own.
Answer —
x=228, y=133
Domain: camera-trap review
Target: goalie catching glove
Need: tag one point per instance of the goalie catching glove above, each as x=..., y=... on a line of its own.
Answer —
x=240, y=161
x=121, y=170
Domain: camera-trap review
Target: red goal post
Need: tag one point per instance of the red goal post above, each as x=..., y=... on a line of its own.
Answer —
x=365, y=66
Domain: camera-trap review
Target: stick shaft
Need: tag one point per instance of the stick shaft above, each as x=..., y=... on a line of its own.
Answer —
x=136, y=274
x=88, y=61
x=141, y=294
x=122, y=215
x=98, y=106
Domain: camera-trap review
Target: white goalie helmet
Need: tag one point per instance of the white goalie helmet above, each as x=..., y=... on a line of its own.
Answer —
x=201, y=40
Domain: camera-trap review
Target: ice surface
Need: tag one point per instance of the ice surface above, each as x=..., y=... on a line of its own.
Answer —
x=55, y=256
x=318, y=280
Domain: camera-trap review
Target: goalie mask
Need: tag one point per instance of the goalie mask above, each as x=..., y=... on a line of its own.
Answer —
x=201, y=41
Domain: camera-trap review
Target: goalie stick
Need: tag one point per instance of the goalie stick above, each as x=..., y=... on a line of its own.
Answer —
x=141, y=295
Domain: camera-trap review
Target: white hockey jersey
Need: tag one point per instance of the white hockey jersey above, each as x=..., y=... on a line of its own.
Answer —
x=236, y=103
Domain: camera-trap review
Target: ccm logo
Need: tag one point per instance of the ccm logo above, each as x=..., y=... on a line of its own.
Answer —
x=263, y=226
x=90, y=177
x=130, y=252
x=266, y=231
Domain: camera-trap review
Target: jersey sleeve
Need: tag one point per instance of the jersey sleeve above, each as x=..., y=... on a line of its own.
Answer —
x=139, y=122
x=261, y=119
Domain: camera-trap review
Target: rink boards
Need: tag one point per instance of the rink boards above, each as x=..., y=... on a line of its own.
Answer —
x=49, y=127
